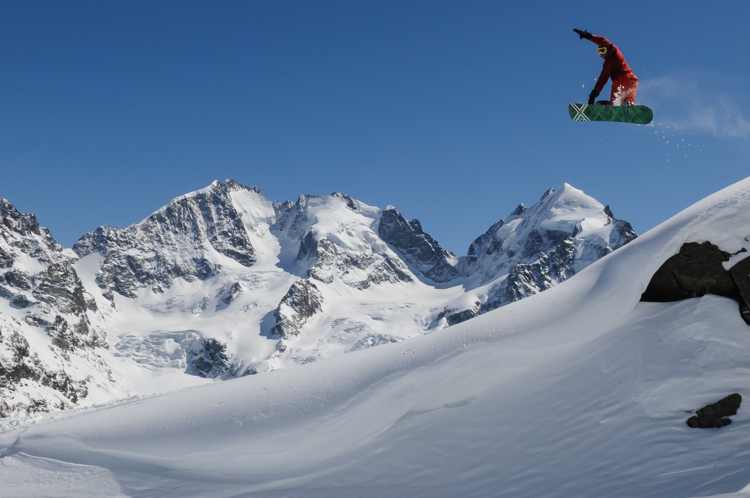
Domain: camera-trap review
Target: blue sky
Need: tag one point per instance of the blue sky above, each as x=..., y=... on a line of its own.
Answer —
x=454, y=112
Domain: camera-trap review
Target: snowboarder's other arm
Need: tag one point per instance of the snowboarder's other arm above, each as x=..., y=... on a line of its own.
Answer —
x=604, y=75
x=608, y=62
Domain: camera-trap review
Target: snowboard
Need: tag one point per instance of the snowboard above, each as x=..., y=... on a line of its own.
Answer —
x=638, y=114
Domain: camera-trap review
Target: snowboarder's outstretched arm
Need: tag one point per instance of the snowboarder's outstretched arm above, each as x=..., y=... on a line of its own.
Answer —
x=611, y=58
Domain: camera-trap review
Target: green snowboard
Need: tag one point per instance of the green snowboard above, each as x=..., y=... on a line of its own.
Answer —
x=638, y=114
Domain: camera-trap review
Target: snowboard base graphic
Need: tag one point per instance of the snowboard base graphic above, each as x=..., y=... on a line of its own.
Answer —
x=638, y=114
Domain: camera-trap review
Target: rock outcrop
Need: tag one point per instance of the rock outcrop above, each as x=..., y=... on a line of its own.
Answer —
x=349, y=251
x=299, y=304
x=38, y=280
x=713, y=416
x=187, y=239
x=208, y=358
x=697, y=270
x=535, y=248
x=421, y=252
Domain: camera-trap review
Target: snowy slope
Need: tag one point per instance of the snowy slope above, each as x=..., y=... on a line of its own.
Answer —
x=579, y=391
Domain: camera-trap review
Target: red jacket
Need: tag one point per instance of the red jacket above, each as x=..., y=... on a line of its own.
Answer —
x=614, y=64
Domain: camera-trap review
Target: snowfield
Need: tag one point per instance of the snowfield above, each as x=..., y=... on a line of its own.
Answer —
x=581, y=390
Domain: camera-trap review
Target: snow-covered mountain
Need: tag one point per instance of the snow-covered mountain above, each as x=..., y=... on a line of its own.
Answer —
x=583, y=390
x=536, y=248
x=48, y=346
x=222, y=283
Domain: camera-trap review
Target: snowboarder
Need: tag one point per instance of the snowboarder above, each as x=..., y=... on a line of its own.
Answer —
x=624, y=82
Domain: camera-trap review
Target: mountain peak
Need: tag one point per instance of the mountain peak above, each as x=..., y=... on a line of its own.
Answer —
x=548, y=193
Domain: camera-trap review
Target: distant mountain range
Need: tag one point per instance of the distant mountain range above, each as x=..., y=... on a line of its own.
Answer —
x=223, y=282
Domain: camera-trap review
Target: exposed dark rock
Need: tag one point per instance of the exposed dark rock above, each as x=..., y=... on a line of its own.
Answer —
x=741, y=275
x=348, y=200
x=695, y=271
x=53, y=299
x=61, y=287
x=300, y=303
x=31, y=238
x=519, y=210
x=453, y=316
x=75, y=335
x=171, y=243
x=21, y=301
x=22, y=364
x=487, y=244
x=228, y=296
x=208, y=359
x=714, y=415
x=420, y=251
x=18, y=279
x=5, y=293
x=523, y=238
x=698, y=270
x=6, y=260
x=331, y=260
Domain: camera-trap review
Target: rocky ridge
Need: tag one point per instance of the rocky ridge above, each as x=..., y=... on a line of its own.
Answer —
x=45, y=303
x=535, y=248
x=223, y=282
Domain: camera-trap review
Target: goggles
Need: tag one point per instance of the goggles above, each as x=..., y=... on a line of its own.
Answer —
x=602, y=50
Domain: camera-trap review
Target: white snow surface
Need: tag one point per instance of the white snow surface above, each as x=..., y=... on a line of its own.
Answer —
x=578, y=391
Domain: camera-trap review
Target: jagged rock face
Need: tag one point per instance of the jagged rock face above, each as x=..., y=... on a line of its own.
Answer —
x=356, y=269
x=38, y=280
x=19, y=365
x=572, y=229
x=187, y=239
x=38, y=277
x=21, y=238
x=421, y=252
x=350, y=251
x=453, y=316
x=208, y=359
x=538, y=247
x=229, y=296
x=22, y=233
x=298, y=305
x=697, y=270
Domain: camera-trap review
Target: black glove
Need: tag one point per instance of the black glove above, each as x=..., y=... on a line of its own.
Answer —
x=583, y=34
x=594, y=94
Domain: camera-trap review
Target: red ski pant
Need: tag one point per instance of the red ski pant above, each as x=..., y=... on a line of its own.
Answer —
x=623, y=88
